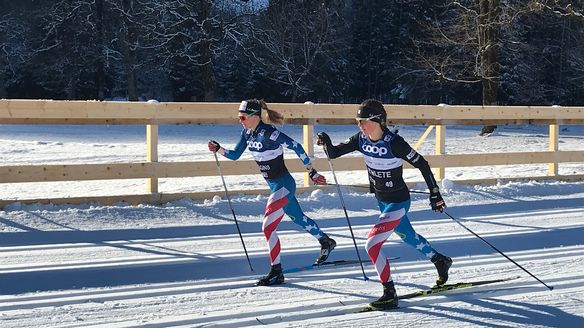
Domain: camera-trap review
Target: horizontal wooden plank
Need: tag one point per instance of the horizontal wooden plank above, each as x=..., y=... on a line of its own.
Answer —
x=80, y=172
x=293, y=121
x=15, y=111
x=487, y=159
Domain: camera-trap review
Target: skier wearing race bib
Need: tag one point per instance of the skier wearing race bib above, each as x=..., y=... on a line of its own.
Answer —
x=266, y=144
x=384, y=152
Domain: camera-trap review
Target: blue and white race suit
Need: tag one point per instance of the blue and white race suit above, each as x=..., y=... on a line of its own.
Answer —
x=266, y=144
x=384, y=160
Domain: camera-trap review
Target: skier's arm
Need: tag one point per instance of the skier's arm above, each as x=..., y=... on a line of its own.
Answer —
x=403, y=150
x=341, y=149
x=237, y=151
x=291, y=144
x=285, y=141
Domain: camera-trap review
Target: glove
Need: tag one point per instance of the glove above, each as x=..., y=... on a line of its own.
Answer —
x=322, y=139
x=214, y=146
x=316, y=178
x=436, y=201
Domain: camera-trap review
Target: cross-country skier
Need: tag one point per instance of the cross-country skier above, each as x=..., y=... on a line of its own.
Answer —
x=383, y=152
x=266, y=143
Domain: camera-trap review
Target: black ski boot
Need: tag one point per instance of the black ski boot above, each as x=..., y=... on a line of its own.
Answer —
x=274, y=277
x=389, y=299
x=326, y=246
x=442, y=264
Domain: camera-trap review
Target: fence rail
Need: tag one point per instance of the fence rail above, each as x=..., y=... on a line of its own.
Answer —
x=94, y=112
x=152, y=114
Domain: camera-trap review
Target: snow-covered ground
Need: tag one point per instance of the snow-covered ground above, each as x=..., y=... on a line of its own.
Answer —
x=182, y=264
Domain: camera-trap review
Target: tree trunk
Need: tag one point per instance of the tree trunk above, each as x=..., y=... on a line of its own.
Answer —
x=209, y=82
x=208, y=75
x=131, y=81
x=100, y=69
x=488, y=30
x=70, y=89
x=130, y=53
x=3, y=93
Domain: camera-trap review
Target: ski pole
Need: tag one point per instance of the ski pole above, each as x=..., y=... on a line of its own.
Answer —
x=495, y=248
x=231, y=207
x=346, y=215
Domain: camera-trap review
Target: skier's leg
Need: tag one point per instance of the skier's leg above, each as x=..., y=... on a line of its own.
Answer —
x=273, y=215
x=294, y=211
x=297, y=215
x=384, y=227
x=407, y=233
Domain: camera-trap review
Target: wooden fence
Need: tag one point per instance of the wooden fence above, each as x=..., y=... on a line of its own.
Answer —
x=151, y=114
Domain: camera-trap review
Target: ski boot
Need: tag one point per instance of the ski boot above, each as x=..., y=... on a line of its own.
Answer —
x=274, y=277
x=389, y=299
x=442, y=264
x=326, y=246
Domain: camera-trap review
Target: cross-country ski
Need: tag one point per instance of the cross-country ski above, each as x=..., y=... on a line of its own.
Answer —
x=329, y=265
x=438, y=290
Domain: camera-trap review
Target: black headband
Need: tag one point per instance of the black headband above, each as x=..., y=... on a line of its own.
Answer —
x=371, y=114
x=250, y=108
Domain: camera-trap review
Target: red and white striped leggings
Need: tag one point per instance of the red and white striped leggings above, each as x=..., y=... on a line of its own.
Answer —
x=377, y=236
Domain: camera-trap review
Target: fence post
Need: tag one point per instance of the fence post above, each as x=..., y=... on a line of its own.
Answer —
x=440, y=172
x=308, y=139
x=554, y=147
x=152, y=151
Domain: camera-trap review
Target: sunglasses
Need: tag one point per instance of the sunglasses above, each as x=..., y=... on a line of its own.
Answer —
x=362, y=120
x=366, y=119
x=245, y=117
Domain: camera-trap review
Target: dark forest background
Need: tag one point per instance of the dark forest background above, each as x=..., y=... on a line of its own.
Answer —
x=399, y=51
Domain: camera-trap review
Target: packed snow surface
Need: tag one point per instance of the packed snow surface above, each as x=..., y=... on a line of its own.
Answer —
x=182, y=264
